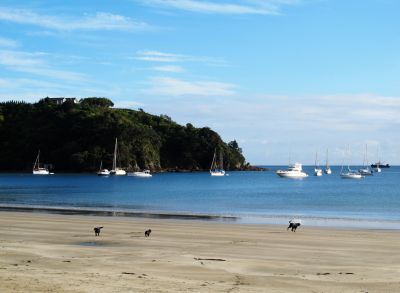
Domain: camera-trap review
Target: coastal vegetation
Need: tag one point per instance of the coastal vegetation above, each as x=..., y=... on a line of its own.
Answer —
x=76, y=136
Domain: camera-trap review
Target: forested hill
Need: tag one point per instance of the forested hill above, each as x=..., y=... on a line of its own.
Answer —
x=76, y=137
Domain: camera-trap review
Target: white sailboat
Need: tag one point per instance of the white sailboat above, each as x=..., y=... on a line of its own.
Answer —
x=349, y=174
x=217, y=168
x=365, y=170
x=115, y=170
x=317, y=169
x=328, y=170
x=103, y=172
x=36, y=167
x=377, y=168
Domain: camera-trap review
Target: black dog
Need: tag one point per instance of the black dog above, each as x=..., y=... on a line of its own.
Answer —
x=293, y=225
x=147, y=233
x=97, y=231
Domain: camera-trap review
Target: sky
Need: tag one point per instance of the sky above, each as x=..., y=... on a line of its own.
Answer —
x=282, y=77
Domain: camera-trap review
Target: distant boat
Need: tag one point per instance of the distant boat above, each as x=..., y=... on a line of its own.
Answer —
x=115, y=170
x=103, y=172
x=380, y=165
x=217, y=168
x=365, y=170
x=377, y=166
x=36, y=167
x=327, y=170
x=317, y=169
x=347, y=173
x=144, y=173
x=294, y=171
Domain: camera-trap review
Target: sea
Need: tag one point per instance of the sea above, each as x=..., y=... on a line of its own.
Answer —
x=240, y=197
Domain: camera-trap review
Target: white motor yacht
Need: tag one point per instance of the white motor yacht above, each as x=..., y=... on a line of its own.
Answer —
x=144, y=174
x=294, y=171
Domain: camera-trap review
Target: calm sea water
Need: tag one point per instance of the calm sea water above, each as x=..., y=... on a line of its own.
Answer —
x=256, y=197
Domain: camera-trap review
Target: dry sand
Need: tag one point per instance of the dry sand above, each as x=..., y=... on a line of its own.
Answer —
x=59, y=253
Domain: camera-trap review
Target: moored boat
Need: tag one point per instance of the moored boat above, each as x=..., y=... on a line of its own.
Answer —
x=103, y=172
x=144, y=174
x=115, y=170
x=37, y=170
x=293, y=171
x=217, y=168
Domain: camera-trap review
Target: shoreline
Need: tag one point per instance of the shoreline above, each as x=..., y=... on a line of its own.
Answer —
x=59, y=253
x=276, y=220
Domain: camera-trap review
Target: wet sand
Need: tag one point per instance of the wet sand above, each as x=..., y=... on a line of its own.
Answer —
x=59, y=253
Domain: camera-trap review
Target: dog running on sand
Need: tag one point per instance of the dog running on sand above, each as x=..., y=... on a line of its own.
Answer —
x=293, y=224
x=97, y=231
x=147, y=233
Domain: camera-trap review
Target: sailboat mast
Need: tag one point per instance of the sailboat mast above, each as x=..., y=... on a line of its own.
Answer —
x=221, y=160
x=327, y=159
x=36, y=165
x=115, y=155
x=213, y=160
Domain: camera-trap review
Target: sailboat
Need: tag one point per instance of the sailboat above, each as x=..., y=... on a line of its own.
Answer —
x=328, y=170
x=317, y=169
x=349, y=174
x=217, y=168
x=377, y=166
x=36, y=167
x=103, y=172
x=115, y=170
x=365, y=170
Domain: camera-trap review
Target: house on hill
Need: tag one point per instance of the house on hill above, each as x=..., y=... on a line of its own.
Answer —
x=61, y=100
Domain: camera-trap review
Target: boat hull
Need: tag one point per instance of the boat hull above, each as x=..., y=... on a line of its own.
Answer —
x=140, y=174
x=380, y=166
x=318, y=172
x=217, y=173
x=351, y=176
x=103, y=173
x=118, y=172
x=288, y=174
x=41, y=172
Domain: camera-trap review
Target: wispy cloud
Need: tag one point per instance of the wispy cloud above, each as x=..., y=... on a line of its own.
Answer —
x=167, y=86
x=34, y=63
x=98, y=21
x=169, y=68
x=4, y=42
x=156, y=56
x=164, y=57
x=224, y=7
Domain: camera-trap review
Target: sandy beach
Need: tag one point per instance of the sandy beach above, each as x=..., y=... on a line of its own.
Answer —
x=59, y=253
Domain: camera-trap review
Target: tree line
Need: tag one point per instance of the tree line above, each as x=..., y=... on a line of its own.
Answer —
x=76, y=137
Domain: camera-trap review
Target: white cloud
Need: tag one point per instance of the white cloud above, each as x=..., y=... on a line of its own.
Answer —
x=226, y=7
x=169, y=68
x=98, y=21
x=163, y=57
x=4, y=42
x=33, y=63
x=269, y=127
x=167, y=86
x=156, y=56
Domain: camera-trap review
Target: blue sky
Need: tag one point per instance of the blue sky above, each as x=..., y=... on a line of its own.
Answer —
x=279, y=76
